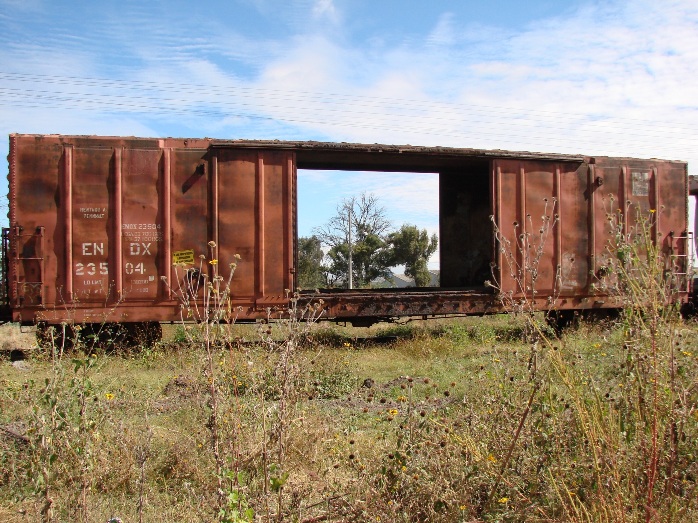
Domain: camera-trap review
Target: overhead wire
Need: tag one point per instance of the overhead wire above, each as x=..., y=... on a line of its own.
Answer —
x=209, y=102
x=317, y=97
x=167, y=103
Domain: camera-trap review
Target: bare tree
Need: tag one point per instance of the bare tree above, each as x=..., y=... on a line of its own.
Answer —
x=367, y=217
x=356, y=233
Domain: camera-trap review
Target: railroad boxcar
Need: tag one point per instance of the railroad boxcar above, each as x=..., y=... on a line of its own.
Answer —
x=95, y=223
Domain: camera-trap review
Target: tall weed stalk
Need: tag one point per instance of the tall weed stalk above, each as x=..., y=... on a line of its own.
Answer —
x=206, y=315
x=643, y=419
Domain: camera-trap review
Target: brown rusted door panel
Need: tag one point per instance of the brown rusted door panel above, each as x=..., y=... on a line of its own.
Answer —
x=255, y=220
x=572, y=230
x=542, y=219
x=630, y=194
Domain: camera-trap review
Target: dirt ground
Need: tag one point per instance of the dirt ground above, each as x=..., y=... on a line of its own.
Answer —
x=13, y=337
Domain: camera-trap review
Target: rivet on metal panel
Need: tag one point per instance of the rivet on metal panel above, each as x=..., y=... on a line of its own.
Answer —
x=598, y=181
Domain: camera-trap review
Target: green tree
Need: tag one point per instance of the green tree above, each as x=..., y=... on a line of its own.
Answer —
x=412, y=247
x=311, y=272
x=363, y=221
x=370, y=260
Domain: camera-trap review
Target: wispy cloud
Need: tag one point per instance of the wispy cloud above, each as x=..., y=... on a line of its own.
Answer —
x=326, y=10
x=445, y=32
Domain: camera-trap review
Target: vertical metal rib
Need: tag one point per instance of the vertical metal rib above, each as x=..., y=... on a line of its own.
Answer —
x=67, y=201
x=521, y=248
x=260, y=226
x=655, y=205
x=625, y=195
x=42, y=263
x=289, y=222
x=214, y=200
x=557, y=220
x=166, y=208
x=118, y=225
x=592, y=224
x=498, y=224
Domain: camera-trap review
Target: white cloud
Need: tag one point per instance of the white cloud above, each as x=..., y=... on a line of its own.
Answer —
x=326, y=10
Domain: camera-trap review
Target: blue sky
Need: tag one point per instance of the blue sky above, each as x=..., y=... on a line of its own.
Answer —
x=613, y=77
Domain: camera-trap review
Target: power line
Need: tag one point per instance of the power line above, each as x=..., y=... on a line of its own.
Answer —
x=132, y=102
x=323, y=97
x=33, y=98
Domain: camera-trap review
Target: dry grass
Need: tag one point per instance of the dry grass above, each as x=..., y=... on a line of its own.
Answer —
x=429, y=440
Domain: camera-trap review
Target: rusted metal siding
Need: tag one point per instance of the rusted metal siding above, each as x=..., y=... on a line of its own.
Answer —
x=255, y=216
x=635, y=190
x=562, y=209
x=96, y=223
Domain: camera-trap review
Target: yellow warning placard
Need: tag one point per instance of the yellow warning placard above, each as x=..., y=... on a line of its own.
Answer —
x=183, y=257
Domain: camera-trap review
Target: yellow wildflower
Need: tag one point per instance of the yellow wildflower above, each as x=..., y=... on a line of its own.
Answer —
x=109, y=396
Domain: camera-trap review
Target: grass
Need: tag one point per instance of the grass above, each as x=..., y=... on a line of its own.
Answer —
x=420, y=429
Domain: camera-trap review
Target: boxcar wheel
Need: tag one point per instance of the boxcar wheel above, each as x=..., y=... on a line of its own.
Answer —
x=93, y=336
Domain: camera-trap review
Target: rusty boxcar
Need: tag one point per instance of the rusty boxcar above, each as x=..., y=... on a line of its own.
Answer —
x=95, y=222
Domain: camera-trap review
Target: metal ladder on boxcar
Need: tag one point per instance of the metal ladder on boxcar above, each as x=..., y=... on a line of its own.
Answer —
x=686, y=291
x=18, y=248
